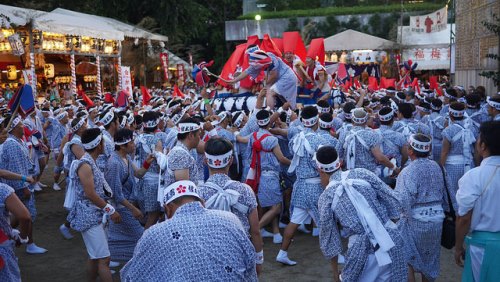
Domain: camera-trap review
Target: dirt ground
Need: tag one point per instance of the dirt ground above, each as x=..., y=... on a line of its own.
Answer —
x=65, y=259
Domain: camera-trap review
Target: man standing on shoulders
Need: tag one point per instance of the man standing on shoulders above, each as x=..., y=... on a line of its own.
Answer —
x=477, y=199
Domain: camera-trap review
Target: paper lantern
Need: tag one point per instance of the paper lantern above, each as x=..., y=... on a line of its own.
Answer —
x=49, y=70
x=11, y=72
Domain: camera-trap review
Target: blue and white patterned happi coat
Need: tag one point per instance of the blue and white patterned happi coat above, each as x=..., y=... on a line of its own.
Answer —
x=196, y=243
x=421, y=184
x=305, y=195
x=109, y=147
x=247, y=196
x=364, y=157
x=179, y=159
x=386, y=205
x=123, y=236
x=10, y=270
x=84, y=214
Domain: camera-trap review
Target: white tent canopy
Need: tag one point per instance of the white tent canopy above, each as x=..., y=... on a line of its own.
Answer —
x=63, y=24
x=127, y=29
x=355, y=40
x=19, y=16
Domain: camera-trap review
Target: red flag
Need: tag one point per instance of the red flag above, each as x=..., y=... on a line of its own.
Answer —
x=433, y=82
x=87, y=100
x=292, y=42
x=268, y=45
x=357, y=84
x=122, y=99
x=372, y=83
x=415, y=85
x=177, y=92
x=317, y=50
x=387, y=82
x=232, y=63
x=145, y=95
x=279, y=43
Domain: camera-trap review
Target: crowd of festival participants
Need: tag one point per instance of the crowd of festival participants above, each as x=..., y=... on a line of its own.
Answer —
x=181, y=189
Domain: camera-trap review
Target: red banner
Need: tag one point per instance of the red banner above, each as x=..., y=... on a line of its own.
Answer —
x=164, y=64
x=180, y=73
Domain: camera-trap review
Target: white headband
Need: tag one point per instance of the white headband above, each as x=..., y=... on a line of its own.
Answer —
x=78, y=125
x=323, y=110
x=347, y=115
x=14, y=123
x=448, y=95
x=61, y=115
x=130, y=119
x=435, y=108
x=325, y=124
x=151, y=123
x=124, y=122
x=179, y=189
x=93, y=109
x=310, y=122
x=222, y=116
x=331, y=167
x=386, y=117
x=360, y=120
x=239, y=120
x=119, y=143
x=422, y=109
x=456, y=113
x=264, y=122
x=220, y=161
x=420, y=146
x=493, y=104
x=107, y=118
x=92, y=144
x=177, y=118
x=187, y=127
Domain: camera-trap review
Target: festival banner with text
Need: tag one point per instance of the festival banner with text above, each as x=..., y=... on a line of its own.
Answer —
x=432, y=22
x=429, y=58
x=181, y=74
x=126, y=79
x=164, y=64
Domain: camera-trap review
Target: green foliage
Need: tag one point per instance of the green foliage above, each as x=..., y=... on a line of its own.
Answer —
x=335, y=11
x=494, y=27
x=293, y=25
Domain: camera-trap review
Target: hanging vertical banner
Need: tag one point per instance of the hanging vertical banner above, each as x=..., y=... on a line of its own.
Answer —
x=432, y=22
x=164, y=64
x=126, y=79
x=181, y=74
x=119, y=71
x=190, y=60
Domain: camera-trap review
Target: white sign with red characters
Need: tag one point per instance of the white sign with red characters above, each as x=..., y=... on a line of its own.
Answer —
x=432, y=22
x=126, y=79
x=429, y=58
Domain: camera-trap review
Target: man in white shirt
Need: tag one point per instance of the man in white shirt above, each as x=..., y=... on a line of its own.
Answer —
x=477, y=217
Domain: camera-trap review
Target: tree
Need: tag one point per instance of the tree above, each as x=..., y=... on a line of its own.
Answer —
x=293, y=25
x=329, y=27
x=493, y=27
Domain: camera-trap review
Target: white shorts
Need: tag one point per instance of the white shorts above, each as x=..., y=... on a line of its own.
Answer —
x=301, y=216
x=96, y=242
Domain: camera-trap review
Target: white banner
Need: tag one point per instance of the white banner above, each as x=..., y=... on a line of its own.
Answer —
x=126, y=79
x=28, y=78
x=429, y=59
x=432, y=22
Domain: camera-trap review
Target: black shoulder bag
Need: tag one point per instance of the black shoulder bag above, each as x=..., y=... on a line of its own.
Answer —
x=448, y=234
